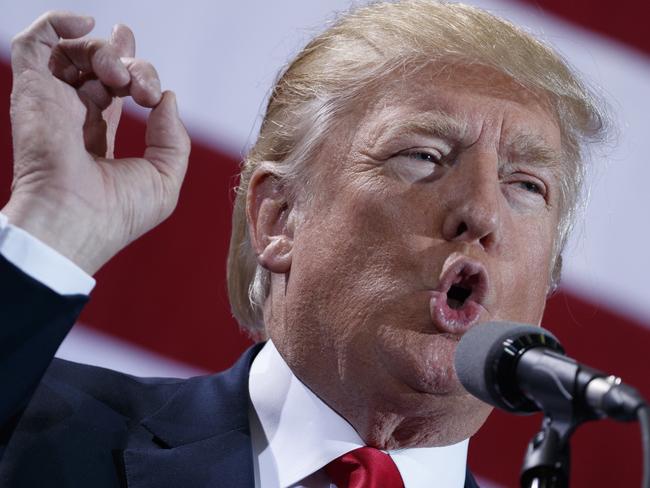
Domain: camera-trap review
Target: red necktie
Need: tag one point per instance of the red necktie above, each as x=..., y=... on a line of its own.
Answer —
x=364, y=467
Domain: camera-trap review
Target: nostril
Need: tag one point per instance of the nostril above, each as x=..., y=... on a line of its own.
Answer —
x=487, y=240
x=462, y=228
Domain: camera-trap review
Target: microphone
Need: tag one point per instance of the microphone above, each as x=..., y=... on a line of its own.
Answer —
x=523, y=369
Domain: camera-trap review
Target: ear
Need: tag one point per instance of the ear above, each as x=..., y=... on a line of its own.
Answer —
x=556, y=276
x=269, y=224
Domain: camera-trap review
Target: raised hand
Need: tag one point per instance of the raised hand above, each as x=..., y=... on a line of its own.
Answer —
x=68, y=190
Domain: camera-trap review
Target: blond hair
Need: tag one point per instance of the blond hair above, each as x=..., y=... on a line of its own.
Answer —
x=349, y=59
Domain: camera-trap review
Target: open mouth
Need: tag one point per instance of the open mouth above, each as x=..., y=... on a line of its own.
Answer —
x=458, y=300
x=463, y=288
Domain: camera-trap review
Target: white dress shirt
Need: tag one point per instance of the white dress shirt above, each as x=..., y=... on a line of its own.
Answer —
x=295, y=434
x=41, y=262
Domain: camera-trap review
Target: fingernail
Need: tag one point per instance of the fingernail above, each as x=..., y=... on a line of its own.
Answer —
x=125, y=61
x=154, y=89
x=88, y=19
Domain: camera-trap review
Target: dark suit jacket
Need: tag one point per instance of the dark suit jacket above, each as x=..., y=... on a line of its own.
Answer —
x=71, y=425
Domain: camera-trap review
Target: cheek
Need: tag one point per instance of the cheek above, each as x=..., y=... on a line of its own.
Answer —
x=347, y=251
x=370, y=217
x=528, y=277
x=355, y=252
x=388, y=213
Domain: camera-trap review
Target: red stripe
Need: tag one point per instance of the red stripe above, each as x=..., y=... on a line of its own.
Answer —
x=624, y=21
x=167, y=292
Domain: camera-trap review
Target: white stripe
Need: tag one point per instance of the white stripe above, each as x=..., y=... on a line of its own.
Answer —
x=484, y=483
x=89, y=346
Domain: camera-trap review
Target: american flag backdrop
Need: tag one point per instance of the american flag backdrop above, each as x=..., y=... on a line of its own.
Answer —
x=160, y=306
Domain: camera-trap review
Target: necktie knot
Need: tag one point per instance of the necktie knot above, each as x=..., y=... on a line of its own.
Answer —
x=364, y=467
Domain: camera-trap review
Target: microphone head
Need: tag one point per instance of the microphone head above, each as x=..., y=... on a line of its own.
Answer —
x=486, y=360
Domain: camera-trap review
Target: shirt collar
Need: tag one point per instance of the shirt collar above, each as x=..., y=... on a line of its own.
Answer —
x=285, y=406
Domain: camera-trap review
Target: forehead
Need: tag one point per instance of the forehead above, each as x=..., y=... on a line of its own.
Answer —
x=462, y=103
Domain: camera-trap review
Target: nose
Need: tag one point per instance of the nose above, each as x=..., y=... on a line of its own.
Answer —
x=473, y=203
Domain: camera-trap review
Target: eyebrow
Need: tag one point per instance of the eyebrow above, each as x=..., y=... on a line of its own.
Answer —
x=435, y=123
x=531, y=148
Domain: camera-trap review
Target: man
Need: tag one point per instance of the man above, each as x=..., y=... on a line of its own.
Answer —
x=414, y=176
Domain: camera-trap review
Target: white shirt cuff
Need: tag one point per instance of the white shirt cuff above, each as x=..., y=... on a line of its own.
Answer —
x=41, y=262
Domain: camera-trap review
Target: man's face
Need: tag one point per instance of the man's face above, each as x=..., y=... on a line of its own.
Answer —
x=436, y=209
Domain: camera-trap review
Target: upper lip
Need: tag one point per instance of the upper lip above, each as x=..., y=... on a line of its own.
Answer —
x=467, y=272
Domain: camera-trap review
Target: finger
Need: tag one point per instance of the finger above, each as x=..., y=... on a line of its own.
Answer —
x=112, y=116
x=168, y=144
x=95, y=133
x=145, y=83
x=31, y=49
x=124, y=41
x=74, y=60
x=100, y=128
x=71, y=60
x=94, y=92
x=103, y=111
x=75, y=65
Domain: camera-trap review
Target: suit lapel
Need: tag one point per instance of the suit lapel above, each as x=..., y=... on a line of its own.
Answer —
x=201, y=436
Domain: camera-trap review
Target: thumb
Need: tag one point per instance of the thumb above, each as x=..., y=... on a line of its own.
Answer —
x=168, y=144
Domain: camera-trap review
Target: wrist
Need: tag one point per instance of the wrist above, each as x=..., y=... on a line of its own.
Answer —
x=68, y=229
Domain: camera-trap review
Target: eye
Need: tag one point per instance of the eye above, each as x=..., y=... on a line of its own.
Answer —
x=527, y=187
x=416, y=164
x=429, y=156
x=531, y=187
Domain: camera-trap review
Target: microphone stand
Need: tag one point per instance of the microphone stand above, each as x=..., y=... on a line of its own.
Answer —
x=547, y=460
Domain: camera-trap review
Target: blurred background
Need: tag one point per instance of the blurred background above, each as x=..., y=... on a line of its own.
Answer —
x=160, y=307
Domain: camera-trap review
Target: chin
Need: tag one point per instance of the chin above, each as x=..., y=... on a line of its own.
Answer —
x=417, y=419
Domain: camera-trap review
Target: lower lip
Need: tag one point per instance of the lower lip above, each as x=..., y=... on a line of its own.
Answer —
x=450, y=320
